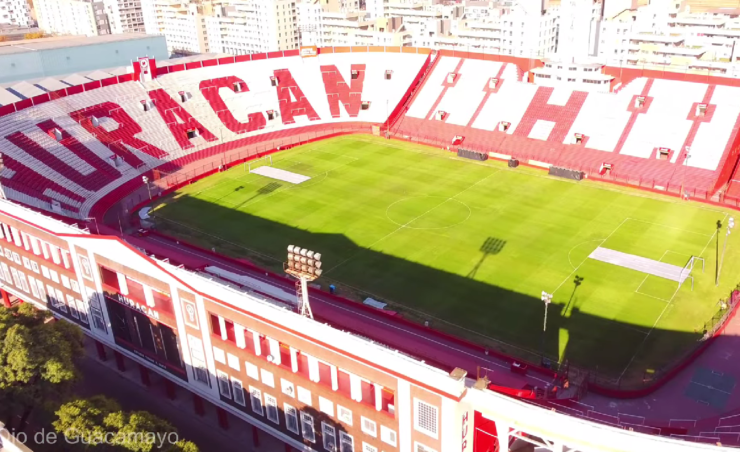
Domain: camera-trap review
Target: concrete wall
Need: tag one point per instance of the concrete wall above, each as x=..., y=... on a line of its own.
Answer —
x=44, y=63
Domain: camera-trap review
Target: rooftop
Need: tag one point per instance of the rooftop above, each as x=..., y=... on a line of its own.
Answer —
x=10, y=47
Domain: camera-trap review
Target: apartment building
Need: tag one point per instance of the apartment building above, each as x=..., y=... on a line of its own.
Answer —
x=15, y=12
x=519, y=30
x=125, y=16
x=101, y=18
x=237, y=27
x=67, y=17
x=686, y=36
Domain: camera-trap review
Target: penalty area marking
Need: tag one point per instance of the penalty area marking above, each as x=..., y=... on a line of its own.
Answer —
x=669, y=304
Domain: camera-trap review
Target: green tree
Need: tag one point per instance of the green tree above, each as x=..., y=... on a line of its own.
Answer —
x=37, y=360
x=86, y=418
x=103, y=425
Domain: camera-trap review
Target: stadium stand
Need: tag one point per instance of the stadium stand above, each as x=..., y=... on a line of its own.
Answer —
x=65, y=150
x=644, y=130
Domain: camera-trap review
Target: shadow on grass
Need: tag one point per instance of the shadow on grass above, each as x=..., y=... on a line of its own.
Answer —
x=488, y=314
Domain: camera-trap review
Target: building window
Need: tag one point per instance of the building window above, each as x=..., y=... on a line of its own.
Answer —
x=329, y=437
x=219, y=355
x=346, y=443
x=368, y=448
x=272, y=409
x=344, y=415
x=425, y=418
x=418, y=447
x=369, y=427
x=256, y=397
x=388, y=436
x=223, y=384
x=252, y=370
x=236, y=385
x=304, y=396
x=291, y=418
x=267, y=378
x=307, y=427
x=198, y=360
x=326, y=406
x=287, y=387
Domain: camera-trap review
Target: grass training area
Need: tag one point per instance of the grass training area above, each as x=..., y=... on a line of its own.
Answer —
x=472, y=246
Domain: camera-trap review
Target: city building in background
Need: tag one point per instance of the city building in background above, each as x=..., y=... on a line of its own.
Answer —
x=15, y=12
x=66, y=17
x=125, y=16
x=235, y=27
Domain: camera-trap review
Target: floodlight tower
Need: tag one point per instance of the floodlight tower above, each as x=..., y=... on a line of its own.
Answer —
x=547, y=299
x=305, y=265
x=730, y=225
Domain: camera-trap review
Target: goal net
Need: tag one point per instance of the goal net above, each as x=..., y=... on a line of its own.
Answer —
x=686, y=272
x=256, y=163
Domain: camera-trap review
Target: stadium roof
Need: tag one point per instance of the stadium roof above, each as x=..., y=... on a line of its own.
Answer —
x=10, y=47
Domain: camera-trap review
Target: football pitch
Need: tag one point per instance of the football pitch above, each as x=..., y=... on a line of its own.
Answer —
x=471, y=246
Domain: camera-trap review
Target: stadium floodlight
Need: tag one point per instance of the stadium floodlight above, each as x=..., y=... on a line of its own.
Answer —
x=305, y=265
x=148, y=188
x=547, y=298
x=730, y=225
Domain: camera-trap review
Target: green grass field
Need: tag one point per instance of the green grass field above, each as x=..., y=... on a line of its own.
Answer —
x=472, y=245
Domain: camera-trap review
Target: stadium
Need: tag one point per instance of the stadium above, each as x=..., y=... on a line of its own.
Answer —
x=494, y=264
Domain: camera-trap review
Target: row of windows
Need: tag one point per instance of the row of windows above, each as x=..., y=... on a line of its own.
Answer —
x=267, y=405
x=47, y=293
x=134, y=289
x=279, y=354
x=50, y=252
x=287, y=387
x=349, y=385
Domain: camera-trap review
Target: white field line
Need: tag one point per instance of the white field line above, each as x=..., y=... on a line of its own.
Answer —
x=601, y=184
x=670, y=302
x=648, y=274
x=670, y=227
x=584, y=260
x=403, y=226
x=709, y=387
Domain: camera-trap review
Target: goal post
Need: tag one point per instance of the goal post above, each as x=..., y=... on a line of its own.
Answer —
x=686, y=272
x=256, y=163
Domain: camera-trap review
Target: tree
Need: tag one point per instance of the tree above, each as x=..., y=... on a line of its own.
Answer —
x=4, y=38
x=103, y=425
x=33, y=35
x=37, y=360
x=85, y=418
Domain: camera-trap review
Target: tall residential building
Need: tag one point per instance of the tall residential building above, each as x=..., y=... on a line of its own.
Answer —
x=125, y=16
x=67, y=17
x=523, y=30
x=669, y=33
x=223, y=26
x=101, y=17
x=15, y=12
x=577, y=32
